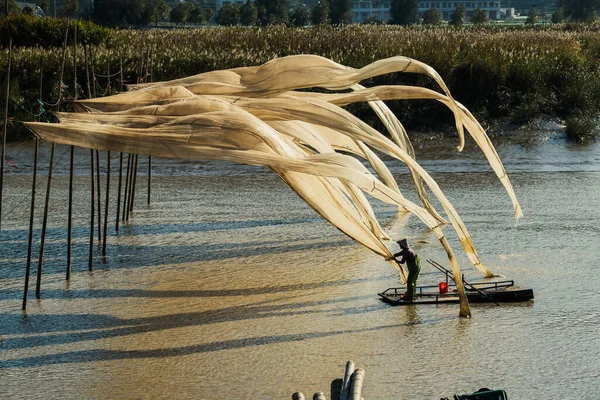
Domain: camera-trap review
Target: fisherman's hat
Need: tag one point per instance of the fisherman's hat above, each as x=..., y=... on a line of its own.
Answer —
x=403, y=243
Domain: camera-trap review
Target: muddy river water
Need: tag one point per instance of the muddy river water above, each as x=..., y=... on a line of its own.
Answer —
x=228, y=286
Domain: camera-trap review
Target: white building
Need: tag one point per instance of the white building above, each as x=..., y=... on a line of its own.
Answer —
x=373, y=10
x=492, y=8
x=220, y=3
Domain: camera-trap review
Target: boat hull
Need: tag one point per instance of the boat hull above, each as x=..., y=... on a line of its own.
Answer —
x=482, y=292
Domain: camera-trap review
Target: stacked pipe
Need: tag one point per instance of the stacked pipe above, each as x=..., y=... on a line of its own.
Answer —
x=347, y=388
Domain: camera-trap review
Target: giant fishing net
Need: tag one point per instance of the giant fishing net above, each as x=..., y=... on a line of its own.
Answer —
x=258, y=116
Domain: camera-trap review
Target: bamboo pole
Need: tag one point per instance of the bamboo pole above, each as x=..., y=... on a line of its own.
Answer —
x=119, y=191
x=4, y=129
x=150, y=157
x=131, y=187
x=98, y=197
x=44, y=224
x=93, y=73
x=70, y=217
x=108, y=77
x=70, y=212
x=87, y=72
x=75, y=62
x=107, y=196
x=135, y=171
x=120, y=72
x=92, y=212
x=31, y=212
x=149, y=177
x=62, y=66
x=126, y=193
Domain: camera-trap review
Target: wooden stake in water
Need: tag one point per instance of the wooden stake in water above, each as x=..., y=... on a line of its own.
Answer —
x=44, y=224
x=119, y=191
x=131, y=186
x=31, y=212
x=92, y=211
x=149, y=177
x=70, y=212
x=135, y=168
x=99, y=197
x=150, y=157
x=126, y=193
x=5, y=127
x=107, y=196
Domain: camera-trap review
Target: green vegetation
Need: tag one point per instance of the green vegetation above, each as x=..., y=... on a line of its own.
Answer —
x=532, y=16
x=457, y=18
x=517, y=74
x=404, y=12
x=28, y=31
x=432, y=16
x=479, y=17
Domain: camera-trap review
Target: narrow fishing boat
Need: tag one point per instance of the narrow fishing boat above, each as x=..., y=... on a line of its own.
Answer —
x=445, y=292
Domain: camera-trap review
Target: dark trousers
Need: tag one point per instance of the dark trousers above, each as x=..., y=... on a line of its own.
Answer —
x=414, y=267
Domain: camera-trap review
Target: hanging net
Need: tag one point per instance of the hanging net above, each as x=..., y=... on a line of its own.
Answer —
x=257, y=116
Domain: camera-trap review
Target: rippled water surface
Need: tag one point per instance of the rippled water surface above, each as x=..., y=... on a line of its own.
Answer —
x=228, y=286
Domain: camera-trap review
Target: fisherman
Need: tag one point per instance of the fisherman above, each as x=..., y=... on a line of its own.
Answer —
x=413, y=262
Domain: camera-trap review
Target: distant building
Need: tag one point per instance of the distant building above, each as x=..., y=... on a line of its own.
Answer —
x=522, y=7
x=370, y=10
x=220, y=3
x=492, y=8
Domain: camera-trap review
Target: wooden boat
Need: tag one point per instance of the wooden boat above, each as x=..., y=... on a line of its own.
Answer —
x=445, y=293
x=478, y=292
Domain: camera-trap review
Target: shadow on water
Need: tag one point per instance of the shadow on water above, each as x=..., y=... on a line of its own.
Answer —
x=160, y=229
x=93, y=355
x=157, y=294
x=82, y=328
x=132, y=256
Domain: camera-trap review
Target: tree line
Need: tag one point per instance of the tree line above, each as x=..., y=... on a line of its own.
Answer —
x=271, y=12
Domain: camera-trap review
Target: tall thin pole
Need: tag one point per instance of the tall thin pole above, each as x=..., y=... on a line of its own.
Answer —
x=31, y=210
x=108, y=77
x=119, y=191
x=44, y=224
x=132, y=183
x=98, y=197
x=107, y=196
x=70, y=218
x=75, y=62
x=62, y=65
x=126, y=194
x=70, y=212
x=5, y=127
x=120, y=72
x=93, y=73
x=149, y=176
x=87, y=72
x=150, y=157
x=92, y=211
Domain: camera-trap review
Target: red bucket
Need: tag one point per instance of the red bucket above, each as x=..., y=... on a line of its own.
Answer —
x=443, y=287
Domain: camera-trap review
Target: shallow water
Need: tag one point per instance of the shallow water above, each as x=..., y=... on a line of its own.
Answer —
x=228, y=286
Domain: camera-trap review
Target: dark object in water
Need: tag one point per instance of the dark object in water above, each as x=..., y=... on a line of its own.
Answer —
x=481, y=394
x=479, y=292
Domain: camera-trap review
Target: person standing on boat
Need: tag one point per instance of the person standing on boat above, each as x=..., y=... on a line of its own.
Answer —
x=414, y=267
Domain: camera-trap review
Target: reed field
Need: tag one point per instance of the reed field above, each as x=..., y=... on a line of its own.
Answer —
x=499, y=73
